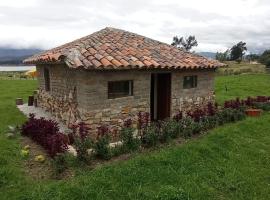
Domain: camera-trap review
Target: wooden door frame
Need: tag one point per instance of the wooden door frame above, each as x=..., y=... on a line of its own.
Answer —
x=154, y=95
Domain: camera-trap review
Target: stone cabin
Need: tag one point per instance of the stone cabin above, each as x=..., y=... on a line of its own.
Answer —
x=113, y=74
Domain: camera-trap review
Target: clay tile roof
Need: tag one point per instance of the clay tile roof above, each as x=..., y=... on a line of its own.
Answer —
x=113, y=48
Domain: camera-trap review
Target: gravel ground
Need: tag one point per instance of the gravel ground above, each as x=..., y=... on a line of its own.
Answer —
x=26, y=110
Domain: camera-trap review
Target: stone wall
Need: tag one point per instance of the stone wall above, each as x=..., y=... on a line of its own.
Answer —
x=83, y=96
x=61, y=100
x=96, y=108
x=188, y=99
x=80, y=95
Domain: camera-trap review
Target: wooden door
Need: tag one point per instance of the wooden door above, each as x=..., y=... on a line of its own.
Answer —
x=160, y=96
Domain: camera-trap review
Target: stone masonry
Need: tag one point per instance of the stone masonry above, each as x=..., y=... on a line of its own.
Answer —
x=81, y=95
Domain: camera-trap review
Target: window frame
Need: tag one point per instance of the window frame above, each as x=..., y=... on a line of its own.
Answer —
x=47, y=79
x=193, y=82
x=111, y=95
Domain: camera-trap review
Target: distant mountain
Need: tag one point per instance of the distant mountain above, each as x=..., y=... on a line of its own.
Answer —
x=207, y=54
x=15, y=56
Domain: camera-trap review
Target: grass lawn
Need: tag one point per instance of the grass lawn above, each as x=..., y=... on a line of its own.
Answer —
x=230, y=162
x=241, y=86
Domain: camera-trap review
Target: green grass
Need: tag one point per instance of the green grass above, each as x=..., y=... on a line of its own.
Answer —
x=230, y=162
x=241, y=86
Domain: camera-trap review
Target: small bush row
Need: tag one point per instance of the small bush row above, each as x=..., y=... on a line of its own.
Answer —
x=185, y=127
x=261, y=102
x=47, y=134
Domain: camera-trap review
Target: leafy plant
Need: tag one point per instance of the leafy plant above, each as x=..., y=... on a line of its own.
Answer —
x=46, y=133
x=143, y=120
x=263, y=106
x=81, y=140
x=129, y=141
x=101, y=145
x=249, y=102
x=60, y=164
x=209, y=122
x=186, y=127
x=235, y=104
x=150, y=135
x=82, y=147
x=178, y=116
x=230, y=115
x=170, y=129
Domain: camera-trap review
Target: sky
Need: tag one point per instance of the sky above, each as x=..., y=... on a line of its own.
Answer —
x=216, y=24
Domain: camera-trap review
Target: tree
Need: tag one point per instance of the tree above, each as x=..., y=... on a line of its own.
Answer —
x=223, y=56
x=186, y=44
x=238, y=51
x=265, y=58
x=252, y=57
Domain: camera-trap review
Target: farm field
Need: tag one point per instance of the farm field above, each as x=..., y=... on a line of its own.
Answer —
x=234, y=68
x=230, y=162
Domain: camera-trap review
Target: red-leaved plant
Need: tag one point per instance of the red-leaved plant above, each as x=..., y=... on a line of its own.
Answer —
x=143, y=119
x=249, y=102
x=178, y=116
x=46, y=133
x=209, y=110
x=128, y=123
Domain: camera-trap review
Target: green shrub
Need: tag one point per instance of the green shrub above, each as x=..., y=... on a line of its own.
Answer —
x=209, y=122
x=59, y=164
x=129, y=142
x=79, y=137
x=102, y=148
x=230, y=115
x=150, y=136
x=186, y=127
x=239, y=114
x=82, y=145
x=170, y=129
x=263, y=106
x=118, y=150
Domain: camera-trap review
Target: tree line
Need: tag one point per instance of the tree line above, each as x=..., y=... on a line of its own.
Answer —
x=236, y=53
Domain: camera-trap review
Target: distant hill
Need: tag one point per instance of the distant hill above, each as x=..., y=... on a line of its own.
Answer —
x=15, y=56
x=9, y=56
x=207, y=54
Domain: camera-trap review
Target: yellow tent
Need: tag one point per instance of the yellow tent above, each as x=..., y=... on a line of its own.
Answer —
x=32, y=73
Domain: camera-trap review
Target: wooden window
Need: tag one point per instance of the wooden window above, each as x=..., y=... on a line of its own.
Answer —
x=190, y=82
x=118, y=89
x=47, y=79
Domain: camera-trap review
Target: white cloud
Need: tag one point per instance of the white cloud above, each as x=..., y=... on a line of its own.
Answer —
x=216, y=24
x=18, y=3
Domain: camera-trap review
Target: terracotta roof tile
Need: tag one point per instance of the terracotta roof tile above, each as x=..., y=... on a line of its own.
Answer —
x=113, y=48
x=116, y=63
x=96, y=63
x=105, y=62
x=124, y=62
x=98, y=56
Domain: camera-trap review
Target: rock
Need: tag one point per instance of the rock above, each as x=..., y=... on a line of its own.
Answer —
x=12, y=129
x=24, y=153
x=90, y=151
x=72, y=150
x=10, y=135
x=98, y=115
x=115, y=144
x=40, y=158
x=27, y=147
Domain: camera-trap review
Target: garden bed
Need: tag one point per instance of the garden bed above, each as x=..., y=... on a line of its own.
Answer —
x=149, y=135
